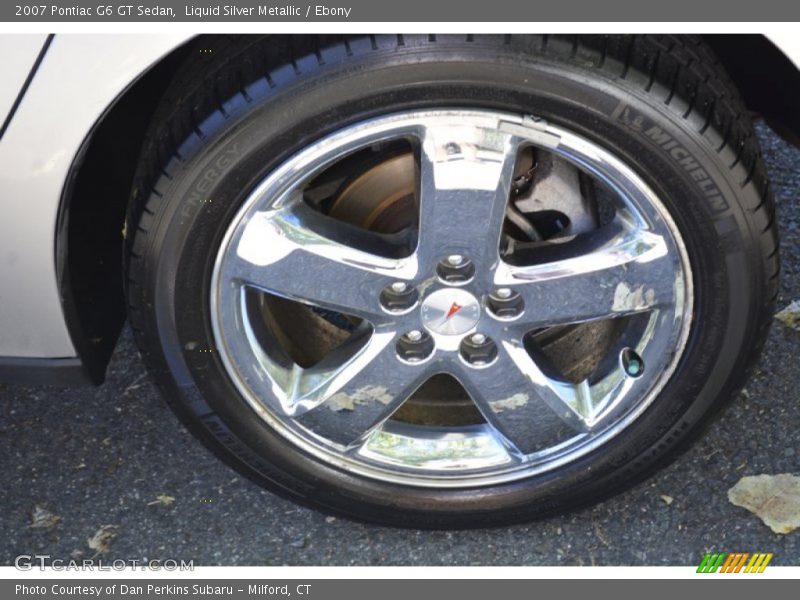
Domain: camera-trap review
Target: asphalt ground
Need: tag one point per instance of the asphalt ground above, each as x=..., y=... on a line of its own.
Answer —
x=96, y=457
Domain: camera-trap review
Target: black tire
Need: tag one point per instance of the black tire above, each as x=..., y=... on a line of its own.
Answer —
x=236, y=112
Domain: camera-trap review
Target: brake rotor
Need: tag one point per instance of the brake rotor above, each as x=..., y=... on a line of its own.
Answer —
x=380, y=199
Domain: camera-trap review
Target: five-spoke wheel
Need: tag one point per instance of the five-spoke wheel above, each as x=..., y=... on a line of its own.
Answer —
x=453, y=305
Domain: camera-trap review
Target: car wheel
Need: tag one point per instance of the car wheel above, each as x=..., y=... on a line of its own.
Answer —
x=450, y=282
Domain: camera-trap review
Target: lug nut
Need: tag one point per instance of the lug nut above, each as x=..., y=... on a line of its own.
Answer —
x=478, y=350
x=477, y=339
x=399, y=297
x=455, y=269
x=505, y=304
x=414, y=346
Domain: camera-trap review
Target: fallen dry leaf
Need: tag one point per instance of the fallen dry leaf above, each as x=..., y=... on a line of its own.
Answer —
x=162, y=499
x=41, y=518
x=790, y=316
x=101, y=540
x=773, y=498
x=667, y=499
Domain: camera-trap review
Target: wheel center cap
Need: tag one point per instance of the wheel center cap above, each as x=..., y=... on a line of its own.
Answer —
x=450, y=311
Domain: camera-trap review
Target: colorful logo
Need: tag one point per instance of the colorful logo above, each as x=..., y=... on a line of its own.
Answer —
x=453, y=310
x=734, y=562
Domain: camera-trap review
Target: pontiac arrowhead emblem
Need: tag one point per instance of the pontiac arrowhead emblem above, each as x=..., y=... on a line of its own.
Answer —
x=453, y=310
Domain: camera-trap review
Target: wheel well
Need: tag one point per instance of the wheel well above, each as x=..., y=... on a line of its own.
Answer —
x=768, y=81
x=89, y=234
x=89, y=237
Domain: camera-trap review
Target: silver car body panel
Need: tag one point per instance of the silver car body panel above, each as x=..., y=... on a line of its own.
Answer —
x=23, y=50
x=78, y=79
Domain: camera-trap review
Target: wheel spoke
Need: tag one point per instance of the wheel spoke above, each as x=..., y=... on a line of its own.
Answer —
x=466, y=171
x=528, y=408
x=277, y=252
x=631, y=273
x=348, y=402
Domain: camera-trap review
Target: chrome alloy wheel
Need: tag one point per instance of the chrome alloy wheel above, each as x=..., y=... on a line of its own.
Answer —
x=435, y=309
